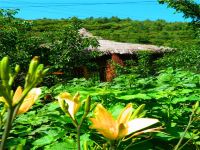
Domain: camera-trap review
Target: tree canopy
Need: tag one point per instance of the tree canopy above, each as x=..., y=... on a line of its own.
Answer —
x=189, y=8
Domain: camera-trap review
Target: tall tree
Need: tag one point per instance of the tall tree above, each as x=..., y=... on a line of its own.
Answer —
x=189, y=8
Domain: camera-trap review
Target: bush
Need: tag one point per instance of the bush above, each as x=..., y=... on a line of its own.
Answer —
x=62, y=50
x=185, y=57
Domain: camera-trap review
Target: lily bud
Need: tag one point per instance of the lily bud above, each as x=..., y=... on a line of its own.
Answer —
x=17, y=69
x=63, y=105
x=44, y=72
x=87, y=104
x=33, y=65
x=196, y=106
x=5, y=69
x=76, y=97
x=138, y=111
x=31, y=71
x=10, y=82
x=39, y=71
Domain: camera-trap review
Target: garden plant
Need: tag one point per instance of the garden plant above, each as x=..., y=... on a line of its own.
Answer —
x=148, y=105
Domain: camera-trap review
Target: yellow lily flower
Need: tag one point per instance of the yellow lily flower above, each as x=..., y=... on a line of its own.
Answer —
x=72, y=104
x=16, y=97
x=28, y=101
x=113, y=129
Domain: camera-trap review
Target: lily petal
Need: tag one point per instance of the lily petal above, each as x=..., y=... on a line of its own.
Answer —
x=72, y=102
x=123, y=130
x=104, y=123
x=61, y=100
x=125, y=114
x=76, y=97
x=112, y=129
x=29, y=100
x=139, y=124
x=71, y=107
x=147, y=131
x=17, y=95
x=2, y=99
x=62, y=104
x=65, y=95
x=77, y=103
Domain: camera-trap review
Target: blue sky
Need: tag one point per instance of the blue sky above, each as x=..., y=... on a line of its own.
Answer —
x=56, y=9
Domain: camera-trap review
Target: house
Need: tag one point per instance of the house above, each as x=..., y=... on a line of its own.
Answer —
x=118, y=53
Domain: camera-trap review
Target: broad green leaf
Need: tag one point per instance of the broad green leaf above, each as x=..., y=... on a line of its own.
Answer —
x=136, y=96
x=43, y=141
x=67, y=144
x=116, y=109
x=164, y=136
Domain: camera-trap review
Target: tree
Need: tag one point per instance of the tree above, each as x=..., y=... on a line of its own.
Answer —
x=69, y=51
x=189, y=8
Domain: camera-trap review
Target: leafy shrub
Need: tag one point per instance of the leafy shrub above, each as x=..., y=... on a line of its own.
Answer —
x=61, y=50
x=168, y=97
x=144, y=63
x=185, y=57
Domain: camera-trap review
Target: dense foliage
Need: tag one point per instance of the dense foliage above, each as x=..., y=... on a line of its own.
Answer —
x=14, y=41
x=168, y=97
x=21, y=40
x=183, y=37
x=186, y=57
x=157, y=32
x=190, y=8
x=61, y=50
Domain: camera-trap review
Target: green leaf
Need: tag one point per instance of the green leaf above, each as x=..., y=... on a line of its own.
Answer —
x=43, y=141
x=136, y=96
x=68, y=144
x=189, y=85
x=85, y=139
x=116, y=109
x=52, y=106
x=186, y=91
x=164, y=136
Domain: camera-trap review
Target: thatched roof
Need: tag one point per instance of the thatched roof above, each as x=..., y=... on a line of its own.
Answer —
x=110, y=47
x=85, y=33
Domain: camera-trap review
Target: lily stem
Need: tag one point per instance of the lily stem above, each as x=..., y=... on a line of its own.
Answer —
x=186, y=129
x=12, y=112
x=79, y=128
x=78, y=137
x=8, y=126
x=1, y=115
x=113, y=145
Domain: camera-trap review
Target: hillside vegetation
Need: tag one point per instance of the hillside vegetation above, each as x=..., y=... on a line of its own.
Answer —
x=182, y=36
x=157, y=32
x=75, y=113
